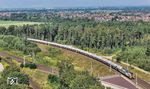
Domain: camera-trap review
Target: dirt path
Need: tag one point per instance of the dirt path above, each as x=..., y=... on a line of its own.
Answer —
x=34, y=85
x=41, y=67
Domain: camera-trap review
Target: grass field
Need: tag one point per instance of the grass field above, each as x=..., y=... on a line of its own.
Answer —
x=18, y=23
x=39, y=77
x=81, y=62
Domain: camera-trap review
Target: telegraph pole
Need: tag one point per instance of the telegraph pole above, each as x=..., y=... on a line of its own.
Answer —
x=110, y=68
x=136, y=79
x=105, y=87
x=127, y=64
x=33, y=56
x=24, y=61
x=91, y=68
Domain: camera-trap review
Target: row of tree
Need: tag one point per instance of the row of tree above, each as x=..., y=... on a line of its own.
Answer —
x=87, y=34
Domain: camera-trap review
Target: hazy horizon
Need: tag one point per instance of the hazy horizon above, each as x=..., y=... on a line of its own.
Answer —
x=70, y=4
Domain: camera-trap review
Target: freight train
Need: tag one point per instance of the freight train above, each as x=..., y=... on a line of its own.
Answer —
x=115, y=66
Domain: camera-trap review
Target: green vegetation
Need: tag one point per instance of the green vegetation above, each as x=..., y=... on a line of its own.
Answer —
x=29, y=65
x=136, y=56
x=9, y=42
x=18, y=23
x=13, y=71
x=148, y=51
x=54, y=52
x=80, y=62
x=124, y=40
x=41, y=78
x=73, y=79
x=49, y=56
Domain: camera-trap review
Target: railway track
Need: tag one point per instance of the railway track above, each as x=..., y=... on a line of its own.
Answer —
x=40, y=67
x=140, y=82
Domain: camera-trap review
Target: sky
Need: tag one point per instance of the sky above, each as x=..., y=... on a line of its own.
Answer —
x=70, y=3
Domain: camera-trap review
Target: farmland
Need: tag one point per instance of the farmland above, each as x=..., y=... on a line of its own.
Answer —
x=18, y=23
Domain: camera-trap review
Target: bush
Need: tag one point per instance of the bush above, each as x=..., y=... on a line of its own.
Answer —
x=10, y=70
x=30, y=65
x=0, y=58
x=54, y=52
x=33, y=66
x=148, y=51
x=22, y=78
x=21, y=65
x=53, y=78
x=108, y=51
x=136, y=56
x=118, y=58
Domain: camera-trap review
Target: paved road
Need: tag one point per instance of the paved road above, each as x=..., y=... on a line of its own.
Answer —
x=120, y=81
x=142, y=83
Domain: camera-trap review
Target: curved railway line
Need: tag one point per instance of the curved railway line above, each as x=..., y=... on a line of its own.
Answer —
x=113, y=65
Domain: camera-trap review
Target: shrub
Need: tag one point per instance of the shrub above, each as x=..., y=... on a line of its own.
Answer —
x=148, y=51
x=21, y=65
x=1, y=58
x=30, y=65
x=53, y=78
x=33, y=66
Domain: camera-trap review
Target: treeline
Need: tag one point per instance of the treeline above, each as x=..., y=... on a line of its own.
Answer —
x=86, y=34
x=31, y=16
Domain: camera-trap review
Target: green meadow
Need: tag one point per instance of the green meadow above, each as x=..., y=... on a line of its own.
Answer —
x=18, y=23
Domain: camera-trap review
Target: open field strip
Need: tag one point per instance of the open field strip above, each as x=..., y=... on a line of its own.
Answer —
x=18, y=23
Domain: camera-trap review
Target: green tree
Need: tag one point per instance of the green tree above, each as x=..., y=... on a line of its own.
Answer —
x=85, y=81
x=72, y=79
x=148, y=51
x=66, y=74
x=53, y=78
